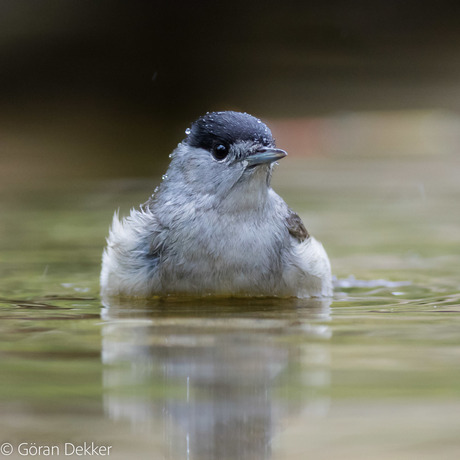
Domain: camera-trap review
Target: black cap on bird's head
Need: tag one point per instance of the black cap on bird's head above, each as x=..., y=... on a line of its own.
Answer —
x=218, y=131
x=228, y=127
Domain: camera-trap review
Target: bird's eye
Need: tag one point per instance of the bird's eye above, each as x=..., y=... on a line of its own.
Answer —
x=220, y=151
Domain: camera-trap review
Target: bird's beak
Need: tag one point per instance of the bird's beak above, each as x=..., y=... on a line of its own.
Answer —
x=265, y=155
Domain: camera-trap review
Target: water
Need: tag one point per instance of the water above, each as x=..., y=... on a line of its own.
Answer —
x=372, y=373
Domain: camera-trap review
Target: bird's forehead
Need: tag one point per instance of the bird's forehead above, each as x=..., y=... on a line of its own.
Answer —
x=228, y=128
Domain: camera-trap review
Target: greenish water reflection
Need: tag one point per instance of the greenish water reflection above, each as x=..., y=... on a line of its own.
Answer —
x=373, y=374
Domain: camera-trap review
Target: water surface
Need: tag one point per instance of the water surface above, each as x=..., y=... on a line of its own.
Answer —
x=372, y=373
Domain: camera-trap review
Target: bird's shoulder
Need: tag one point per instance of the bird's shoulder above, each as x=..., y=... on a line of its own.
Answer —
x=295, y=226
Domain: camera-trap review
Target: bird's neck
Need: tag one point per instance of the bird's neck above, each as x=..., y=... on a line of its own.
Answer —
x=248, y=196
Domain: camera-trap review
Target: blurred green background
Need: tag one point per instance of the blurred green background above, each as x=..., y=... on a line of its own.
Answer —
x=106, y=88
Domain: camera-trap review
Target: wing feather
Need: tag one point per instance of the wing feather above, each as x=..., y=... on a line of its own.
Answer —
x=296, y=227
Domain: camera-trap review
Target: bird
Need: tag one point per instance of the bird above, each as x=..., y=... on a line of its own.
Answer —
x=215, y=226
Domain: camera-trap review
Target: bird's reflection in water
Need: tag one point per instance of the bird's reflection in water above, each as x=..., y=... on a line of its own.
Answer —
x=220, y=376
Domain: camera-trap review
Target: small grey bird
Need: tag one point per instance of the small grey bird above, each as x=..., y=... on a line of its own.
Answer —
x=215, y=226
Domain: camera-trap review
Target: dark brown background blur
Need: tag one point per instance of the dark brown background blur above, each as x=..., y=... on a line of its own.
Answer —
x=106, y=88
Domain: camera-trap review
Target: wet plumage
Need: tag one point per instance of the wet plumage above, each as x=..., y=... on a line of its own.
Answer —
x=215, y=226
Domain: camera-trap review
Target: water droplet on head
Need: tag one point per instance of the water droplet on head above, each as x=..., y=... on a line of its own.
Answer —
x=156, y=189
x=164, y=176
x=188, y=131
x=258, y=121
